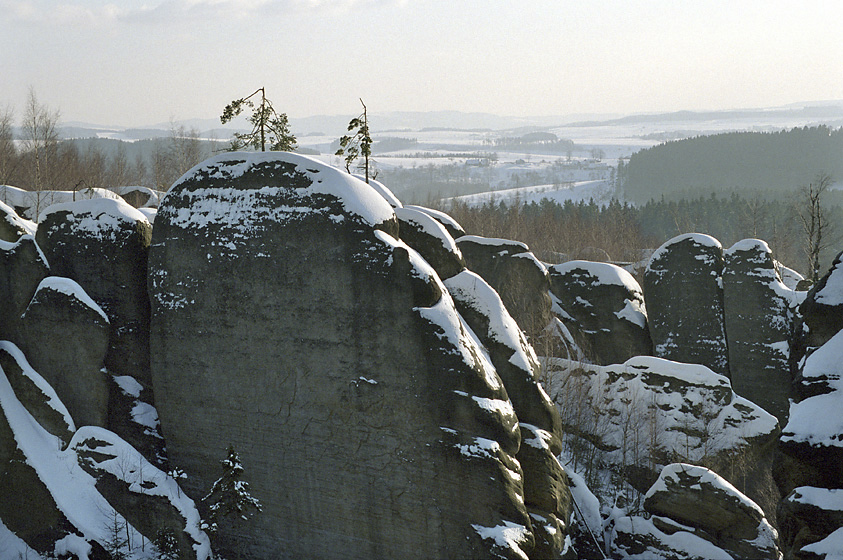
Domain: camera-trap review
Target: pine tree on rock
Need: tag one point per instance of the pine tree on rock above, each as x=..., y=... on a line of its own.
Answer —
x=229, y=495
x=267, y=125
x=358, y=144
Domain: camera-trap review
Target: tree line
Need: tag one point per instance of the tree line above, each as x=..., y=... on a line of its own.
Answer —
x=622, y=232
x=768, y=162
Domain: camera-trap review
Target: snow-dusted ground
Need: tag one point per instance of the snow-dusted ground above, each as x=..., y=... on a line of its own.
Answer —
x=601, y=192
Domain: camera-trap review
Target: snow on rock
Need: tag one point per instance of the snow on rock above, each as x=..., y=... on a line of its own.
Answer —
x=684, y=297
x=430, y=238
x=822, y=310
x=603, y=307
x=644, y=412
x=810, y=519
x=450, y=224
x=97, y=216
x=381, y=189
x=638, y=538
x=70, y=288
x=29, y=204
x=815, y=421
x=13, y=226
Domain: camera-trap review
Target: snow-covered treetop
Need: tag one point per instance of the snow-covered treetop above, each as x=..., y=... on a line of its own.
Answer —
x=356, y=196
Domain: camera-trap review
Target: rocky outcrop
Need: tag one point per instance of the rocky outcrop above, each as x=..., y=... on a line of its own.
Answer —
x=636, y=417
x=22, y=267
x=693, y=505
x=364, y=448
x=546, y=493
x=603, y=307
x=78, y=496
x=454, y=229
x=520, y=279
x=822, y=310
x=65, y=338
x=758, y=326
x=103, y=245
x=433, y=242
x=684, y=300
x=12, y=226
x=811, y=522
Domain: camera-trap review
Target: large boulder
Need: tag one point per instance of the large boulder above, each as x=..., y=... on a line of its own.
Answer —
x=65, y=339
x=810, y=522
x=22, y=267
x=632, y=419
x=758, y=326
x=602, y=306
x=283, y=301
x=689, y=503
x=682, y=289
x=516, y=274
x=103, y=244
x=12, y=226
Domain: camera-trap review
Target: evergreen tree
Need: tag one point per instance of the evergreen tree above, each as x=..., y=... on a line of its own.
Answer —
x=229, y=495
x=266, y=123
x=358, y=144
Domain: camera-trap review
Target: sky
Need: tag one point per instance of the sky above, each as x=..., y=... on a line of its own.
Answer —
x=142, y=62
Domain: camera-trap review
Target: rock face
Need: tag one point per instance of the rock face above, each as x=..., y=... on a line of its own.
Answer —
x=690, y=503
x=603, y=307
x=22, y=267
x=520, y=279
x=822, y=309
x=648, y=412
x=546, y=492
x=685, y=302
x=758, y=326
x=65, y=337
x=383, y=429
x=810, y=522
x=103, y=244
x=433, y=242
x=12, y=226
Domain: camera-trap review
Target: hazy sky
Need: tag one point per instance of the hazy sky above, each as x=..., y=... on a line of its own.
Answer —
x=146, y=61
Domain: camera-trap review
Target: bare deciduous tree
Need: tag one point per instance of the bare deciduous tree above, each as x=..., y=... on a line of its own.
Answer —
x=815, y=223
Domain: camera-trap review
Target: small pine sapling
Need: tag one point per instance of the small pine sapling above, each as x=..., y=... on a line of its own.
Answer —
x=358, y=144
x=266, y=123
x=229, y=495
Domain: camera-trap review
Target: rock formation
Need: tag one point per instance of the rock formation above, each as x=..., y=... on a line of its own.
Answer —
x=22, y=267
x=684, y=300
x=696, y=514
x=759, y=320
x=364, y=448
x=603, y=307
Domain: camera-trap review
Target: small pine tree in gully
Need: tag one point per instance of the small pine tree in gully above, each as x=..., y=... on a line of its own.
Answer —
x=265, y=123
x=229, y=495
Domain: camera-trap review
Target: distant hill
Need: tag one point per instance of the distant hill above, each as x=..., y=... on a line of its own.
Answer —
x=773, y=164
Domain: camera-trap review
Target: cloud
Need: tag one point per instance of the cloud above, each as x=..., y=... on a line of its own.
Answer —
x=88, y=13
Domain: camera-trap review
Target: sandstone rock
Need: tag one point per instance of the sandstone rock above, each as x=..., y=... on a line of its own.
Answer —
x=758, y=326
x=546, y=493
x=685, y=302
x=822, y=309
x=813, y=436
x=661, y=539
x=65, y=338
x=603, y=307
x=520, y=279
x=433, y=242
x=636, y=417
x=454, y=228
x=35, y=394
x=808, y=516
x=103, y=245
x=12, y=226
x=22, y=267
x=282, y=300
x=697, y=497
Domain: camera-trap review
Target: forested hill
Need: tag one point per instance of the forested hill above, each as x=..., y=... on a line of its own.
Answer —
x=774, y=163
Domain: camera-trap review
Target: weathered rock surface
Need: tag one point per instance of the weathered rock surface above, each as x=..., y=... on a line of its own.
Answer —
x=383, y=429
x=638, y=416
x=454, y=228
x=520, y=279
x=689, y=506
x=685, y=302
x=22, y=267
x=603, y=307
x=12, y=226
x=103, y=244
x=810, y=522
x=758, y=326
x=822, y=310
x=546, y=493
x=60, y=497
x=433, y=242
x=65, y=338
